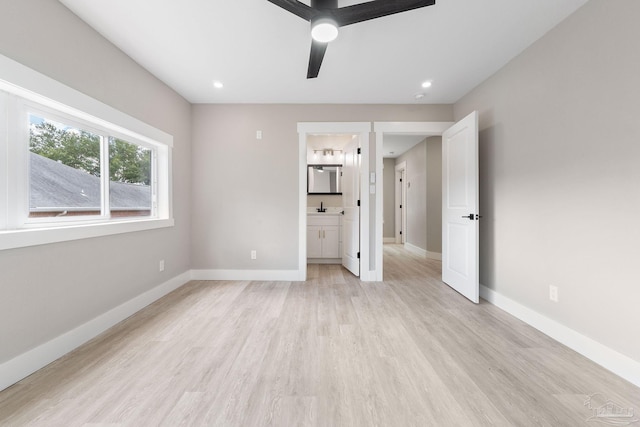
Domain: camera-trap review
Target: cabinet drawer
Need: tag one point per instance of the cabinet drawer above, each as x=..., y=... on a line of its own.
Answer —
x=323, y=220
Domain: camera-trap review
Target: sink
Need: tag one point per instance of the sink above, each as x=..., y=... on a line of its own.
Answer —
x=327, y=211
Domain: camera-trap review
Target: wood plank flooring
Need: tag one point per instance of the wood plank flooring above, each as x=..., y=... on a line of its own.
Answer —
x=331, y=351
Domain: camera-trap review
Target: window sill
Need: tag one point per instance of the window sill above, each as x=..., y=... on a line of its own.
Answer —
x=41, y=236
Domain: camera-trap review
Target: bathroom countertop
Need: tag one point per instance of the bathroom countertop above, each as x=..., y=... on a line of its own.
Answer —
x=330, y=211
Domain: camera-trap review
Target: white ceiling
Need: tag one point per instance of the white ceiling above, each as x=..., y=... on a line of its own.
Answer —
x=260, y=51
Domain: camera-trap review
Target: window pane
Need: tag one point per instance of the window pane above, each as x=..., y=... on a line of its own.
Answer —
x=64, y=176
x=129, y=179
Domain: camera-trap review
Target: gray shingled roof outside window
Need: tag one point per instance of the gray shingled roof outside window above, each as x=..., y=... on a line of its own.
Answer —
x=58, y=186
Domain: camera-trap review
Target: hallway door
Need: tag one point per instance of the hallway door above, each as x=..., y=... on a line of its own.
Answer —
x=460, y=244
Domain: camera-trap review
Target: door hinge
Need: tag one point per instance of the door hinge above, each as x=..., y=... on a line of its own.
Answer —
x=400, y=206
x=359, y=151
x=358, y=202
x=401, y=232
x=358, y=254
x=400, y=179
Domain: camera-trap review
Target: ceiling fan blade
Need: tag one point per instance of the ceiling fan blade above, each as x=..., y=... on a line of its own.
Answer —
x=376, y=9
x=295, y=7
x=315, y=58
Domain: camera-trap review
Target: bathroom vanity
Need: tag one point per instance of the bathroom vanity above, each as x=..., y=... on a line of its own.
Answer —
x=324, y=236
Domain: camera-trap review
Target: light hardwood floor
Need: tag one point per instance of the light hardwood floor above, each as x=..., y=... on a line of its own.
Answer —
x=331, y=351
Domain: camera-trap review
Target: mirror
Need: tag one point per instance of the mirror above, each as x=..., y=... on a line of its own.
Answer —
x=324, y=179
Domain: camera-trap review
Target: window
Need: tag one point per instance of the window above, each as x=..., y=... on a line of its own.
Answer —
x=75, y=171
x=65, y=172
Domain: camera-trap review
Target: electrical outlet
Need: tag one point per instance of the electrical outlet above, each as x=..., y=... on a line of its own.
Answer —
x=553, y=293
x=161, y=265
x=254, y=255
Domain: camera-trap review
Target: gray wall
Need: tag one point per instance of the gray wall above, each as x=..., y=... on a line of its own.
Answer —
x=559, y=169
x=237, y=206
x=416, y=207
x=389, y=202
x=50, y=289
x=434, y=194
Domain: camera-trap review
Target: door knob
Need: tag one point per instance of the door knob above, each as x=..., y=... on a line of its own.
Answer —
x=470, y=216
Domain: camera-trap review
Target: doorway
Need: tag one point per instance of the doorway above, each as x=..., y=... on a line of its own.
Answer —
x=424, y=129
x=361, y=130
x=401, y=202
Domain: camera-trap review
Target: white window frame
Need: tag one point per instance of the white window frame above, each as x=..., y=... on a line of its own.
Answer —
x=24, y=91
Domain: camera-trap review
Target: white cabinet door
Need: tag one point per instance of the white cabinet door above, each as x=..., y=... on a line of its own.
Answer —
x=314, y=241
x=331, y=241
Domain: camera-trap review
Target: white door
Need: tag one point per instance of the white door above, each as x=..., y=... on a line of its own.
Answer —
x=401, y=203
x=350, y=201
x=460, y=207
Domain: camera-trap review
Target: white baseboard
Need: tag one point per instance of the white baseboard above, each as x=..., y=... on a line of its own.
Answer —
x=416, y=250
x=278, y=275
x=324, y=261
x=388, y=240
x=604, y=356
x=27, y=363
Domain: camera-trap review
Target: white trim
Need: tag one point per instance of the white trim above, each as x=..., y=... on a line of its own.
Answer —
x=74, y=106
x=27, y=83
x=266, y=275
x=302, y=204
x=413, y=128
x=388, y=240
x=604, y=356
x=41, y=236
x=29, y=362
x=415, y=249
x=434, y=255
x=376, y=273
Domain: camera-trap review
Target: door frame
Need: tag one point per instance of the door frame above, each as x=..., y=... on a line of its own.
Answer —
x=363, y=130
x=403, y=128
x=401, y=200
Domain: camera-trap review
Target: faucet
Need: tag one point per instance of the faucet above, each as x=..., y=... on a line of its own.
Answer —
x=321, y=209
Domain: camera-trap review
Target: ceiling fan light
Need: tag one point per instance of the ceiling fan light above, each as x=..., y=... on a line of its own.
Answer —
x=324, y=30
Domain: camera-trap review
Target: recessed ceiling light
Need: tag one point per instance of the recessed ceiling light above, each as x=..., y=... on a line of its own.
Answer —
x=419, y=96
x=218, y=85
x=426, y=84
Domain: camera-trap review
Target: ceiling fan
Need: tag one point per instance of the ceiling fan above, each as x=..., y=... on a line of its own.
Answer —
x=325, y=17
